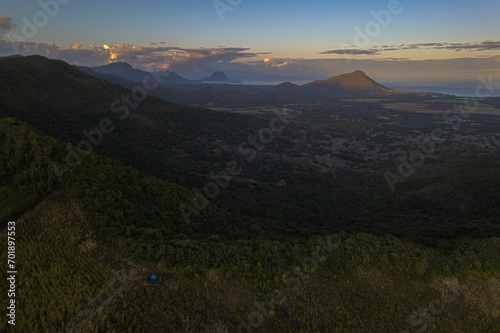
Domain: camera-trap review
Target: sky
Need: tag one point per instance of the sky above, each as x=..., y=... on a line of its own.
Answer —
x=264, y=40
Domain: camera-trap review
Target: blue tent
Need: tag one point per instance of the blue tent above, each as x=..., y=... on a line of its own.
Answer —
x=153, y=277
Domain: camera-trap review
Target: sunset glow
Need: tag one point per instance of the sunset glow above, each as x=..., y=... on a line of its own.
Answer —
x=389, y=39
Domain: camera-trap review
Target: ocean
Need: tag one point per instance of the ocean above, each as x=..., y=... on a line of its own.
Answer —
x=458, y=88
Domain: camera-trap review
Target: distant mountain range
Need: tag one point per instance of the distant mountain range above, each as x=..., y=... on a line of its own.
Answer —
x=356, y=81
x=218, y=90
x=127, y=72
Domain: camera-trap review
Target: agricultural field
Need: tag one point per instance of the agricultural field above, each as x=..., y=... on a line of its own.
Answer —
x=366, y=100
x=442, y=106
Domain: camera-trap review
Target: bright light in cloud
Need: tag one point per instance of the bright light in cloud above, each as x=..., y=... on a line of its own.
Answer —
x=112, y=56
x=279, y=62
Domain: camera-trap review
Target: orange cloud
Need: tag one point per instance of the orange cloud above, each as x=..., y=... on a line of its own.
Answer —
x=145, y=57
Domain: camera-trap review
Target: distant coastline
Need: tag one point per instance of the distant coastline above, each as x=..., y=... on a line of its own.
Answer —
x=460, y=88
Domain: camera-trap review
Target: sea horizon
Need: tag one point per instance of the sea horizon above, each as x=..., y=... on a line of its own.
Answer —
x=457, y=88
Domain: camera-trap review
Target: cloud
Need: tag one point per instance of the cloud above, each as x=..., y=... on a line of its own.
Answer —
x=482, y=46
x=5, y=24
x=151, y=57
x=466, y=68
x=351, y=52
x=279, y=62
x=240, y=63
